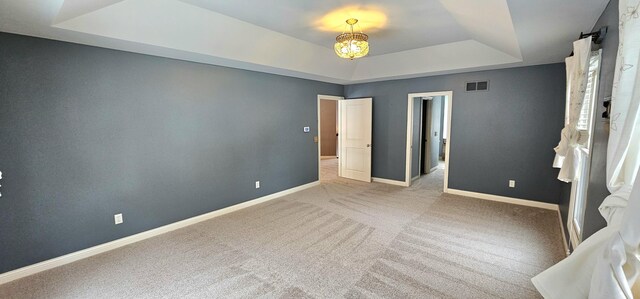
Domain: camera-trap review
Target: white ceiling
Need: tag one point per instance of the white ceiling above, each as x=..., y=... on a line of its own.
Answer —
x=427, y=23
x=408, y=38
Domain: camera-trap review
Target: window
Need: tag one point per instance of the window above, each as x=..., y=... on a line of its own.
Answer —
x=585, y=124
x=586, y=120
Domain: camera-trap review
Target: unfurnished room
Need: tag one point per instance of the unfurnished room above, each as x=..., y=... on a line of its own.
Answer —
x=320, y=149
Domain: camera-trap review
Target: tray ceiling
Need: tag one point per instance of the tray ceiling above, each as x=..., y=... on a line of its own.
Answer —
x=409, y=38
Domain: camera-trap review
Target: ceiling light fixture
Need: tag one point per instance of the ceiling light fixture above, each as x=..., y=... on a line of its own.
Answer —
x=352, y=45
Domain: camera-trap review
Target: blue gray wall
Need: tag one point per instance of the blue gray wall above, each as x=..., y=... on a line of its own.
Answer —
x=508, y=132
x=86, y=133
x=597, y=189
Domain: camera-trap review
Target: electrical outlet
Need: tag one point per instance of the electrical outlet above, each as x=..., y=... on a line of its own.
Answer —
x=512, y=183
x=118, y=218
x=257, y=184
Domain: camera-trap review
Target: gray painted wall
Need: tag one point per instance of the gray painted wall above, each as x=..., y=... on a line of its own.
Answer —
x=597, y=189
x=86, y=133
x=508, y=132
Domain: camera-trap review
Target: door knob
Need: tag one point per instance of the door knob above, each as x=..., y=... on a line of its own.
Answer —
x=368, y=145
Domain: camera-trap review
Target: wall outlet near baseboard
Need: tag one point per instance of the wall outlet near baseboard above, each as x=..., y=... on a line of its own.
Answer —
x=117, y=218
x=512, y=183
x=257, y=184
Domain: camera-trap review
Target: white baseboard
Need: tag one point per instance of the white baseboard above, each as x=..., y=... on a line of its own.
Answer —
x=91, y=251
x=511, y=200
x=415, y=178
x=564, y=235
x=390, y=182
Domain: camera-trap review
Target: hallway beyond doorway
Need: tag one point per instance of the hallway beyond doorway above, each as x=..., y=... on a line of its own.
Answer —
x=328, y=169
x=428, y=134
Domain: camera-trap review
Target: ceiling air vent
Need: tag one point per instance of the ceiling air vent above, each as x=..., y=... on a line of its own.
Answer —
x=477, y=86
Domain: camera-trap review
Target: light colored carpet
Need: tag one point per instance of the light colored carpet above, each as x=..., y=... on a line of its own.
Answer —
x=329, y=169
x=340, y=239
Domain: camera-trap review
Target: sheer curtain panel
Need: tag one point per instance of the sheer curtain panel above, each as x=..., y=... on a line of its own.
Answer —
x=567, y=153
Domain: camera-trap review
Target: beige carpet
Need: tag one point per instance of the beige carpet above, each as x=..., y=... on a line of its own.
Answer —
x=328, y=169
x=341, y=239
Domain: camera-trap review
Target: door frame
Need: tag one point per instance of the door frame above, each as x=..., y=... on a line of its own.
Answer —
x=328, y=98
x=410, y=108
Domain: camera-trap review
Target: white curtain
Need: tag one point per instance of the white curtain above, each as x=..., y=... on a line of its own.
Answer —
x=567, y=151
x=607, y=264
x=618, y=266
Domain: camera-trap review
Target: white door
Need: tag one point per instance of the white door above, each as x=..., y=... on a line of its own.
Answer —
x=355, y=139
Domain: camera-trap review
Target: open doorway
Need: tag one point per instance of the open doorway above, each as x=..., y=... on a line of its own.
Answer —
x=430, y=112
x=328, y=141
x=428, y=134
x=351, y=133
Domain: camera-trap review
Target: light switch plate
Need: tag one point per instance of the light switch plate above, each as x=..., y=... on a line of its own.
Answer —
x=117, y=218
x=257, y=184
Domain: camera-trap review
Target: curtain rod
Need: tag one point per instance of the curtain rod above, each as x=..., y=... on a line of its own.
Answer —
x=597, y=36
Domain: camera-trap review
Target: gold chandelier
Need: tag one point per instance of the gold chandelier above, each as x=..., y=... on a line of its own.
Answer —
x=352, y=45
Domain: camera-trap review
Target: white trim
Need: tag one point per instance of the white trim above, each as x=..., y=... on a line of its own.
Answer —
x=573, y=236
x=91, y=251
x=564, y=235
x=449, y=101
x=390, y=182
x=449, y=95
x=511, y=200
x=329, y=98
x=575, y=230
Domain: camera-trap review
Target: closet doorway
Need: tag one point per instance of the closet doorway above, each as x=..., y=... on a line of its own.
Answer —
x=428, y=135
